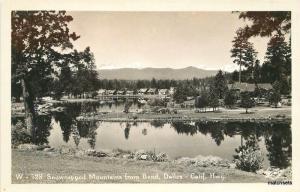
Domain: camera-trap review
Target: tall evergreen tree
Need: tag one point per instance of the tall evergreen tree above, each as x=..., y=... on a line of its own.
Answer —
x=220, y=85
x=256, y=72
x=277, y=66
x=242, y=51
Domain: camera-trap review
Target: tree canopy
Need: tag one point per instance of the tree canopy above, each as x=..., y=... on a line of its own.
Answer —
x=41, y=53
x=266, y=23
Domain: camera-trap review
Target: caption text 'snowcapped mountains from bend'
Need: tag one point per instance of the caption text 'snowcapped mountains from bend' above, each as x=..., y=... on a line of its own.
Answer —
x=157, y=73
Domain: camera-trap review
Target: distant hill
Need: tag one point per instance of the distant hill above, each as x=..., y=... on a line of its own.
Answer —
x=157, y=73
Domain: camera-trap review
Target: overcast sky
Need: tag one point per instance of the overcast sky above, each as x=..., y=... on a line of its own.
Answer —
x=160, y=39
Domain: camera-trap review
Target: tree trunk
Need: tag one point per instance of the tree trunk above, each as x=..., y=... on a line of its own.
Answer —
x=29, y=109
x=240, y=74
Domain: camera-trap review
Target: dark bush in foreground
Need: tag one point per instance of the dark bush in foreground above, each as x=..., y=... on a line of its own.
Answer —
x=19, y=134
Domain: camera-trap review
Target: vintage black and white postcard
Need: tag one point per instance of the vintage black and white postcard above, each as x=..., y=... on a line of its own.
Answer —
x=116, y=93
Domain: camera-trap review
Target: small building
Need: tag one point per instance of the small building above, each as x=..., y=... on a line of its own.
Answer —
x=190, y=98
x=163, y=91
x=47, y=98
x=265, y=86
x=172, y=90
x=151, y=91
x=129, y=92
x=111, y=92
x=242, y=87
x=250, y=87
x=142, y=91
x=121, y=92
x=101, y=92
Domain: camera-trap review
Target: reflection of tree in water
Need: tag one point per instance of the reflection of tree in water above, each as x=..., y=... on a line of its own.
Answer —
x=127, y=130
x=232, y=128
x=144, y=131
x=65, y=122
x=215, y=129
x=92, y=139
x=68, y=117
x=202, y=127
x=278, y=143
x=135, y=123
x=249, y=129
x=87, y=129
x=157, y=123
x=75, y=134
x=186, y=128
x=43, y=123
x=89, y=107
x=217, y=135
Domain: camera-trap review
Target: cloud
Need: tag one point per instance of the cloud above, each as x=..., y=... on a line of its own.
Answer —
x=230, y=67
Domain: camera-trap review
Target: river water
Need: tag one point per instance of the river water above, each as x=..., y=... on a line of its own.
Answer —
x=176, y=139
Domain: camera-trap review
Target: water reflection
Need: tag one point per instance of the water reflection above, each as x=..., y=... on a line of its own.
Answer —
x=275, y=137
x=157, y=124
x=278, y=143
x=127, y=130
x=144, y=132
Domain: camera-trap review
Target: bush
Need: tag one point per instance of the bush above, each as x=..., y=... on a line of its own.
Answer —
x=157, y=102
x=19, y=134
x=134, y=116
x=249, y=157
x=94, y=94
x=230, y=99
x=246, y=101
x=213, y=100
x=150, y=156
x=202, y=101
x=274, y=98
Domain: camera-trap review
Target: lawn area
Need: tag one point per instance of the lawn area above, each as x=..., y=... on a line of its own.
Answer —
x=41, y=167
x=257, y=113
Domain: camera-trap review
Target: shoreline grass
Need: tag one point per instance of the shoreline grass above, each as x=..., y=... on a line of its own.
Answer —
x=38, y=163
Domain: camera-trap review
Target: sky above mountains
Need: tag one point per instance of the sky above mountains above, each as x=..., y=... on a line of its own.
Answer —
x=160, y=39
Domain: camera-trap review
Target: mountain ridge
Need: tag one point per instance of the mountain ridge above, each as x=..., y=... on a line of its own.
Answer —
x=157, y=73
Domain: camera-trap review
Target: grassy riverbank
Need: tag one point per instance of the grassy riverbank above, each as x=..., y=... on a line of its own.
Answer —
x=258, y=113
x=41, y=167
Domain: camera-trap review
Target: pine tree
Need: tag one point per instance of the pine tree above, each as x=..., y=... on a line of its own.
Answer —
x=230, y=98
x=246, y=101
x=242, y=51
x=277, y=59
x=220, y=84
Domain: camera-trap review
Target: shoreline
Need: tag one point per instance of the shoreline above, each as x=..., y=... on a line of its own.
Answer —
x=259, y=114
x=185, y=120
x=107, y=169
x=118, y=167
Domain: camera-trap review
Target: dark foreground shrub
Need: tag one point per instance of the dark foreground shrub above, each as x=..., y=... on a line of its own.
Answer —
x=19, y=134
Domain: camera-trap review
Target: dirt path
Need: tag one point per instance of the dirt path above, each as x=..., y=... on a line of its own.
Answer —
x=39, y=167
